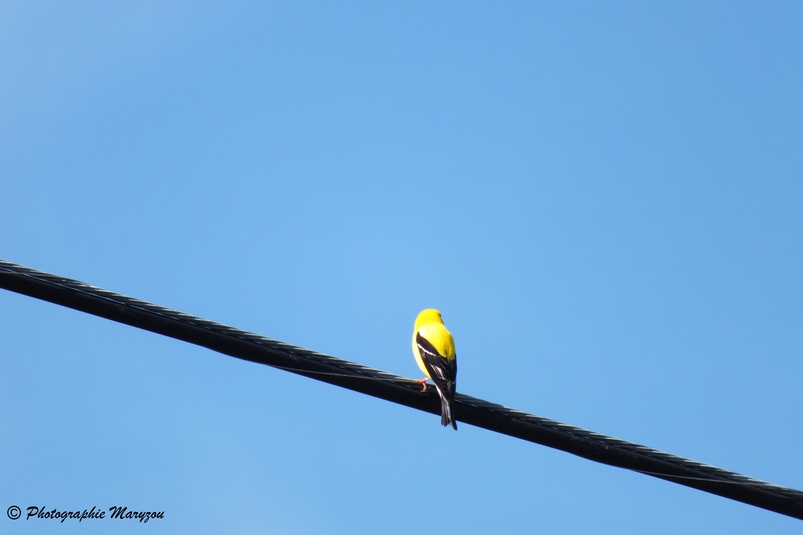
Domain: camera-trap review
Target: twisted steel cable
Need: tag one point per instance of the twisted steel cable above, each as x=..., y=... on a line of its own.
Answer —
x=255, y=348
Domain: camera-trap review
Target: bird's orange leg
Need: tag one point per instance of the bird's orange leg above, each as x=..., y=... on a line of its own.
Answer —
x=423, y=384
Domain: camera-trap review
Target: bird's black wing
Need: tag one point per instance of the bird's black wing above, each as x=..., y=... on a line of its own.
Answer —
x=442, y=371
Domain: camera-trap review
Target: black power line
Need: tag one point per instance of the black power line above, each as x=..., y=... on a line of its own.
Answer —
x=255, y=348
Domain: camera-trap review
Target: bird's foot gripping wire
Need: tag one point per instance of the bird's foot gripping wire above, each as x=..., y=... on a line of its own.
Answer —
x=423, y=384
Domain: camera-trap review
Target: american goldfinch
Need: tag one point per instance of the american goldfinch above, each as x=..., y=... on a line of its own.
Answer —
x=433, y=348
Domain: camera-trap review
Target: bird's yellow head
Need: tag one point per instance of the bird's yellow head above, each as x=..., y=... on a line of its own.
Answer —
x=428, y=315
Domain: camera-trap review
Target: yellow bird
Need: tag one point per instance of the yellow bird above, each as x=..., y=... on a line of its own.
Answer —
x=433, y=348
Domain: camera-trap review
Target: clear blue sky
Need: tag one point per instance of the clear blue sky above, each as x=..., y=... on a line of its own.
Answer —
x=605, y=202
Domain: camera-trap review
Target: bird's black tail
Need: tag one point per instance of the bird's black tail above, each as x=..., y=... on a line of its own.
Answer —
x=446, y=408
